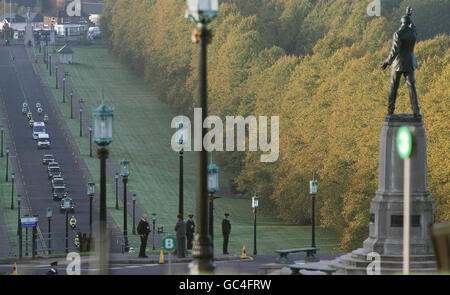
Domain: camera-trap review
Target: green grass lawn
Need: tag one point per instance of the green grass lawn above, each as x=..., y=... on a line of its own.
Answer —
x=142, y=134
x=10, y=216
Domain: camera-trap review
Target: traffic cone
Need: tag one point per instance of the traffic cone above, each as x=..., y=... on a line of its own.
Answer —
x=161, y=257
x=244, y=253
x=15, y=270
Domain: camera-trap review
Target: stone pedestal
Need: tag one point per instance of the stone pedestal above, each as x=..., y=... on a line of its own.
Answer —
x=386, y=210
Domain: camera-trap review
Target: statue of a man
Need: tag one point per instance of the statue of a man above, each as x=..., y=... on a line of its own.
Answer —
x=404, y=62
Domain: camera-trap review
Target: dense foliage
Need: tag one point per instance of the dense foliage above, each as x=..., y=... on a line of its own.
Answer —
x=314, y=63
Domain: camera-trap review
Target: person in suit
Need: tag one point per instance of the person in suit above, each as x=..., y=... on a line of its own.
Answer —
x=54, y=268
x=190, y=229
x=226, y=229
x=143, y=229
x=404, y=62
x=180, y=229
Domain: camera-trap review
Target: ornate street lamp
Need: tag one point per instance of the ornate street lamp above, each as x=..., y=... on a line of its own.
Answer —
x=201, y=12
x=213, y=186
x=254, y=206
x=103, y=128
x=90, y=193
x=125, y=172
x=313, y=193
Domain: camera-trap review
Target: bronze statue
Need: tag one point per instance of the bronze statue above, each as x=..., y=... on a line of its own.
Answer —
x=404, y=62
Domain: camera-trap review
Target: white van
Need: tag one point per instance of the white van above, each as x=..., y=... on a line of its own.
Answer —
x=43, y=141
x=38, y=128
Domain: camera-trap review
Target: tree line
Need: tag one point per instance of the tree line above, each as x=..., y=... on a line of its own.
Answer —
x=316, y=65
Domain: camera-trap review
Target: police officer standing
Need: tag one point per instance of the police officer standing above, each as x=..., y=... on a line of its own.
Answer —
x=54, y=269
x=180, y=229
x=190, y=229
x=143, y=229
x=226, y=229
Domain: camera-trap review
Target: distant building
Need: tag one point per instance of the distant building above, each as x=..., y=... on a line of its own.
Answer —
x=65, y=54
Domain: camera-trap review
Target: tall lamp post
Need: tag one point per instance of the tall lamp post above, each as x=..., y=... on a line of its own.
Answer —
x=213, y=186
x=133, y=197
x=201, y=12
x=13, y=177
x=103, y=128
x=125, y=172
x=90, y=142
x=116, y=177
x=49, y=219
x=71, y=105
x=81, y=122
x=64, y=90
x=91, y=193
x=310, y=257
x=56, y=76
x=181, y=193
x=50, y=64
x=19, y=227
x=154, y=228
x=7, y=161
x=254, y=206
x=1, y=152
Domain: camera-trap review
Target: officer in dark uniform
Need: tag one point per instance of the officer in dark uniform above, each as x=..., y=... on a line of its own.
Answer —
x=404, y=62
x=54, y=268
x=143, y=229
x=190, y=229
x=226, y=229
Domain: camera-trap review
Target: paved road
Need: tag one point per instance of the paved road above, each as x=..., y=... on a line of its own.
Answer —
x=19, y=83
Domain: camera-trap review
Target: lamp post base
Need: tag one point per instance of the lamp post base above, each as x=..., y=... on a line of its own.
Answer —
x=202, y=254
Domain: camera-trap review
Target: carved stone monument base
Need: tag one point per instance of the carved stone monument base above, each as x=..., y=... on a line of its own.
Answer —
x=386, y=210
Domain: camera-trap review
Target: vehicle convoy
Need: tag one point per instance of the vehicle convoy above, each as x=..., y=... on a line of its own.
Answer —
x=38, y=128
x=43, y=141
x=59, y=193
x=54, y=172
x=47, y=159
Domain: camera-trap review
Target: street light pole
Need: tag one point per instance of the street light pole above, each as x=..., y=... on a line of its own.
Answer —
x=81, y=122
x=64, y=90
x=255, y=204
x=7, y=161
x=67, y=230
x=154, y=228
x=71, y=105
x=50, y=65
x=19, y=198
x=202, y=252
x=134, y=214
x=56, y=76
x=125, y=172
x=1, y=153
x=13, y=176
x=180, y=198
x=91, y=193
x=116, y=176
x=90, y=142
x=103, y=125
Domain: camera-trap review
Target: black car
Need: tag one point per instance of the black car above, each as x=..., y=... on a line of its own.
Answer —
x=62, y=208
x=54, y=172
x=47, y=159
x=59, y=193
